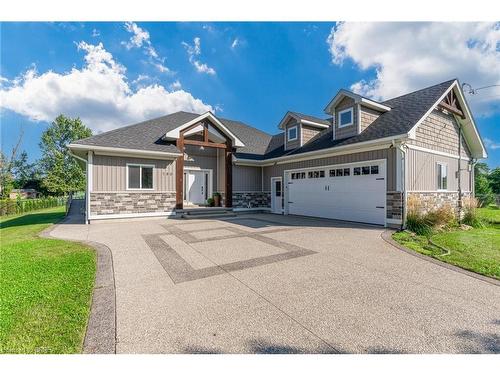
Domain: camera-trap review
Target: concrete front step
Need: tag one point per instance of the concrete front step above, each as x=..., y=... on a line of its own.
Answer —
x=207, y=215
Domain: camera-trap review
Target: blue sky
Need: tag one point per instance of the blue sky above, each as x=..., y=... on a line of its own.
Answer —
x=114, y=74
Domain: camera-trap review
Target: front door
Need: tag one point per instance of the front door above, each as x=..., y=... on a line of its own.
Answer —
x=196, y=187
x=276, y=195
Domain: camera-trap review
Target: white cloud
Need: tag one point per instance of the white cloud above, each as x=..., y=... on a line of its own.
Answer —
x=409, y=56
x=492, y=144
x=236, y=43
x=141, y=39
x=175, y=85
x=96, y=33
x=98, y=93
x=193, y=51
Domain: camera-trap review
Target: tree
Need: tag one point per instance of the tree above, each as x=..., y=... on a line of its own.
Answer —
x=61, y=172
x=6, y=166
x=494, y=178
x=482, y=187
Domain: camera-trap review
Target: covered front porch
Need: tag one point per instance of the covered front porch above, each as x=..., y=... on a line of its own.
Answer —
x=204, y=169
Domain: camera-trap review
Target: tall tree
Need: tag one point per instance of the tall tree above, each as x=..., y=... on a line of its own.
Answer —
x=494, y=178
x=7, y=164
x=62, y=174
x=483, y=191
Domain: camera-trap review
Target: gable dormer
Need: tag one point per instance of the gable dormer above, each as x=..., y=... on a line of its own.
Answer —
x=352, y=113
x=299, y=129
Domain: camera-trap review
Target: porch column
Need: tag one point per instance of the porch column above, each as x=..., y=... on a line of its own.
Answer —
x=179, y=175
x=228, y=151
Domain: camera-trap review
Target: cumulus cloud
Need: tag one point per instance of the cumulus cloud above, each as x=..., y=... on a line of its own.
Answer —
x=193, y=52
x=409, y=56
x=236, y=43
x=175, y=85
x=140, y=39
x=98, y=93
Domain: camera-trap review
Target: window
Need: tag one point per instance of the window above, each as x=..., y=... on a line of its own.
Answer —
x=339, y=172
x=347, y=171
x=292, y=133
x=140, y=177
x=357, y=171
x=374, y=169
x=316, y=174
x=345, y=117
x=365, y=170
x=442, y=175
x=298, y=175
x=332, y=172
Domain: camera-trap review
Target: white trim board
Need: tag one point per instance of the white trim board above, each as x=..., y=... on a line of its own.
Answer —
x=116, y=151
x=436, y=152
x=340, y=113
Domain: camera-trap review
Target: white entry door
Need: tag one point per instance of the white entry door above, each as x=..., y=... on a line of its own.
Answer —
x=276, y=195
x=353, y=192
x=196, y=186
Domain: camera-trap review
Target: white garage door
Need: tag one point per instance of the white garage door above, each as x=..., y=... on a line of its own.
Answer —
x=354, y=192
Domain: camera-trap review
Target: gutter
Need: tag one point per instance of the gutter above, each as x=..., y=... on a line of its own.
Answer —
x=118, y=150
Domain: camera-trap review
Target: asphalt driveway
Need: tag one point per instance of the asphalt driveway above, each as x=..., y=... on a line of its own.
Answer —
x=265, y=283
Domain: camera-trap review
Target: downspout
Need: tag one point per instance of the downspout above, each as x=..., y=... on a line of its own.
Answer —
x=459, y=172
x=402, y=148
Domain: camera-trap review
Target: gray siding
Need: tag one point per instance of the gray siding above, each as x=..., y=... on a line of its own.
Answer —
x=367, y=116
x=247, y=179
x=296, y=143
x=109, y=173
x=388, y=154
x=422, y=172
x=439, y=131
x=308, y=132
x=347, y=131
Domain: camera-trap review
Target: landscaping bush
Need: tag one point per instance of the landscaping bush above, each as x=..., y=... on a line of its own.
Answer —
x=443, y=216
x=19, y=206
x=471, y=216
x=415, y=220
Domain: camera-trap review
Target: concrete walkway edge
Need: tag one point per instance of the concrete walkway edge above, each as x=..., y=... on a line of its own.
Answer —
x=100, y=336
x=387, y=237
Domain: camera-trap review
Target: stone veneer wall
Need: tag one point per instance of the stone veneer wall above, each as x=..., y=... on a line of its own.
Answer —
x=103, y=203
x=433, y=200
x=254, y=199
x=395, y=205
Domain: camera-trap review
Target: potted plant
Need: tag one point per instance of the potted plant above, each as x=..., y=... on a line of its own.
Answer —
x=217, y=199
x=210, y=202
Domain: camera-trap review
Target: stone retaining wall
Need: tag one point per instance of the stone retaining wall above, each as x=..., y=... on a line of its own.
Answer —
x=102, y=203
x=251, y=199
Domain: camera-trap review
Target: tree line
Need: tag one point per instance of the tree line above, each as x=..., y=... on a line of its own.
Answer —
x=56, y=173
x=486, y=183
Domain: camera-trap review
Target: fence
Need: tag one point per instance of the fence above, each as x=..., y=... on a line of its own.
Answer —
x=19, y=206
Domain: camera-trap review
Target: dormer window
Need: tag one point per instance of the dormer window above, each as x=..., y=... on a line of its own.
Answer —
x=292, y=133
x=345, y=117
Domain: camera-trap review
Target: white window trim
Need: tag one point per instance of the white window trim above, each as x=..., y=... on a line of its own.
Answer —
x=442, y=164
x=341, y=113
x=140, y=174
x=296, y=133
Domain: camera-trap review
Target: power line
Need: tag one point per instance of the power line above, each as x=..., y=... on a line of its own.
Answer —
x=473, y=91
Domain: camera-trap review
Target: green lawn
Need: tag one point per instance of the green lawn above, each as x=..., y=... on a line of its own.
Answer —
x=477, y=250
x=45, y=287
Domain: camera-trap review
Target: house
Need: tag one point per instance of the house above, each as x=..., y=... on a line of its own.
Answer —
x=24, y=193
x=361, y=163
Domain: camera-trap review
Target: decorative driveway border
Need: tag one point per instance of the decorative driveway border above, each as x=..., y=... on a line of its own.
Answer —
x=181, y=271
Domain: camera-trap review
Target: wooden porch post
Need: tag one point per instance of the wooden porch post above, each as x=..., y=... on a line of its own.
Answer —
x=179, y=175
x=229, y=173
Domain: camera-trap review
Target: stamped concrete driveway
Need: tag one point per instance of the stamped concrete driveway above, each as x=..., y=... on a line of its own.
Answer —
x=272, y=284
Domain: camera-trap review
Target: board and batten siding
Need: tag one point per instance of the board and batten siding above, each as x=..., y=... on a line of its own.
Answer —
x=422, y=172
x=388, y=154
x=110, y=173
x=439, y=131
x=247, y=179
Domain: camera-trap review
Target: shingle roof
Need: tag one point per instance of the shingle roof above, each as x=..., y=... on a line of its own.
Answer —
x=405, y=111
x=311, y=118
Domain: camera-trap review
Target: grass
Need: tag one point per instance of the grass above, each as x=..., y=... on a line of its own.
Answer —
x=476, y=250
x=45, y=286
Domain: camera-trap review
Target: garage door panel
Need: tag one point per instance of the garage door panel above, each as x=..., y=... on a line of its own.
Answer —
x=353, y=198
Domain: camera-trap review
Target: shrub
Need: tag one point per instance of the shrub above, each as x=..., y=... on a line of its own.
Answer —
x=415, y=220
x=210, y=202
x=442, y=216
x=471, y=216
